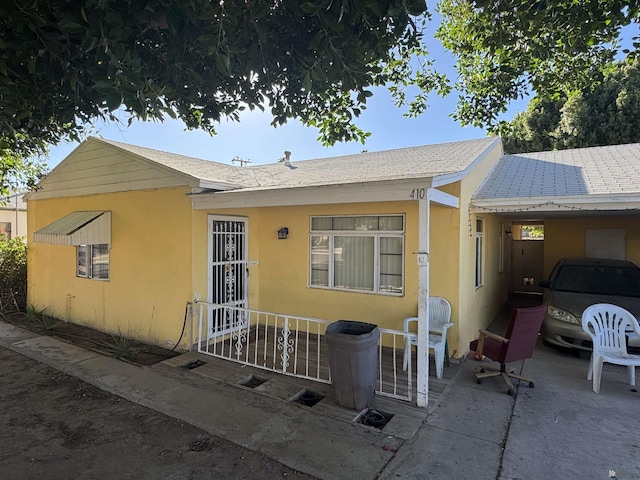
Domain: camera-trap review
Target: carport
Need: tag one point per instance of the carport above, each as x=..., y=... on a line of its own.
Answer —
x=587, y=199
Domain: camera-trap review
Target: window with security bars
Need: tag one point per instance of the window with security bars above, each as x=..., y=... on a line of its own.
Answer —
x=358, y=253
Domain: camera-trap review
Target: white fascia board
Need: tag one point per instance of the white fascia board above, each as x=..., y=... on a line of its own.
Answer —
x=330, y=194
x=584, y=202
x=207, y=185
x=446, y=179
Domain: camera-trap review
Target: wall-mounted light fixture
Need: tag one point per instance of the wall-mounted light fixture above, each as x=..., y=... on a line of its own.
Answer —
x=283, y=233
x=508, y=232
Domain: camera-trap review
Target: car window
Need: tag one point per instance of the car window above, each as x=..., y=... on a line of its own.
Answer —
x=598, y=280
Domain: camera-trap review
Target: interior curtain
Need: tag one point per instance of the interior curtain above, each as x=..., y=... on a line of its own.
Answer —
x=353, y=262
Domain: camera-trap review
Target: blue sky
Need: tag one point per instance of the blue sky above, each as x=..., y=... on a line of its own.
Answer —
x=254, y=139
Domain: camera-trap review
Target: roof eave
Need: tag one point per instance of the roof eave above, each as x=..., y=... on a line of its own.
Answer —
x=218, y=186
x=591, y=202
x=311, y=195
x=446, y=179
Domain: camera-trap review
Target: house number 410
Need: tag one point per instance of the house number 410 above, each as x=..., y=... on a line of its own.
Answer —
x=418, y=194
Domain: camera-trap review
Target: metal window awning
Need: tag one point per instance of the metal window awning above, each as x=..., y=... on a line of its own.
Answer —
x=77, y=228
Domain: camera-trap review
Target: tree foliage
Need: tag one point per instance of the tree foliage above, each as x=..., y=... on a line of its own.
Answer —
x=607, y=114
x=13, y=274
x=64, y=64
x=506, y=49
x=18, y=173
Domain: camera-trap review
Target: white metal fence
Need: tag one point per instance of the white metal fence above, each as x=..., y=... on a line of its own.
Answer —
x=291, y=345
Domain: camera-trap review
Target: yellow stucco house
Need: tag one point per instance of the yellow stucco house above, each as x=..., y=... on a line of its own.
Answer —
x=128, y=239
x=145, y=220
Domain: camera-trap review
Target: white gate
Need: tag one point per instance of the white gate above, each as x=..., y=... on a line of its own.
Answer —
x=228, y=274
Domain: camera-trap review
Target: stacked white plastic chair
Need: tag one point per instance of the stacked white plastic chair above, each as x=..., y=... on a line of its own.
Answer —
x=609, y=326
x=439, y=316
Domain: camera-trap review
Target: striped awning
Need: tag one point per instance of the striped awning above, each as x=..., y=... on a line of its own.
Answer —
x=77, y=228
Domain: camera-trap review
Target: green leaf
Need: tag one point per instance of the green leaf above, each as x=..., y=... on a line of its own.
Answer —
x=223, y=63
x=114, y=100
x=105, y=87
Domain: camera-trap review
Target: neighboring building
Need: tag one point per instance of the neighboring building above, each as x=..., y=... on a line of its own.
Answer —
x=13, y=216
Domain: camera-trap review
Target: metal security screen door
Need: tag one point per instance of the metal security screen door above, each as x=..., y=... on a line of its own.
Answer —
x=227, y=274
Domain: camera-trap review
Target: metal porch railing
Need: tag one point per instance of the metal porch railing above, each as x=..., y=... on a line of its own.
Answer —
x=291, y=345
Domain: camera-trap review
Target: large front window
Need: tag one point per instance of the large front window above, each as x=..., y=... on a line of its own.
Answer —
x=361, y=253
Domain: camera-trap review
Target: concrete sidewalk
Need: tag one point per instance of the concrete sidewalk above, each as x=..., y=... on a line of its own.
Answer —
x=559, y=429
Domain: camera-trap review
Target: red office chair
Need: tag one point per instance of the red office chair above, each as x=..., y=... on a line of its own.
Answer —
x=518, y=344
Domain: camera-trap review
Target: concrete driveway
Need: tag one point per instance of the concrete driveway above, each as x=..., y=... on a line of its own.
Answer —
x=558, y=429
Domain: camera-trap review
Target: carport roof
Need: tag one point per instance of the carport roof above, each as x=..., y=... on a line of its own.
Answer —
x=597, y=178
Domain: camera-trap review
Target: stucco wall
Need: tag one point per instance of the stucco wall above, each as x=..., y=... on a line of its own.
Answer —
x=444, y=275
x=279, y=269
x=478, y=306
x=150, y=265
x=566, y=237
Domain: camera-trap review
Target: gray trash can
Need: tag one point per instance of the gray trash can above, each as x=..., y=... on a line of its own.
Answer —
x=353, y=360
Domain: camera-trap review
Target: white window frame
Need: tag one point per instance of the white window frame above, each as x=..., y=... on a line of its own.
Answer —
x=479, y=248
x=89, y=267
x=501, y=249
x=376, y=234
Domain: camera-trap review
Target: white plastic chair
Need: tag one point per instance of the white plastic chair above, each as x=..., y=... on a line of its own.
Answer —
x=608, y=326
x=439, y=316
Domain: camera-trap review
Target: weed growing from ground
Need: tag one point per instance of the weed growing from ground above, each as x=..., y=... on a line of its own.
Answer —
x=41, y=318
x=121, y=347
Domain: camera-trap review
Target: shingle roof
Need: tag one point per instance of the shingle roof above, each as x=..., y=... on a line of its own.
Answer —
x=405, y=163
x=195, y=167
x=610, y=170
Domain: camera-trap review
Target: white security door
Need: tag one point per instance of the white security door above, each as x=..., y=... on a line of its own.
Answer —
x=227, y=273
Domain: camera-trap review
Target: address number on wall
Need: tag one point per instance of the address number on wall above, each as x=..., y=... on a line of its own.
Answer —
x=418, y=194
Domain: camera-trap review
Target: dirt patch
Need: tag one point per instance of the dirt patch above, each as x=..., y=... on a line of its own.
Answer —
x=104, y=343
x=56, y=426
